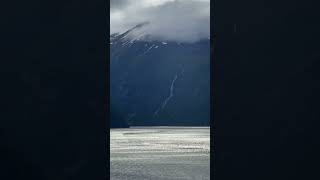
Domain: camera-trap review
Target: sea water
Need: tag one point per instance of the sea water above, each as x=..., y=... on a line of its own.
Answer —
x=160, y=153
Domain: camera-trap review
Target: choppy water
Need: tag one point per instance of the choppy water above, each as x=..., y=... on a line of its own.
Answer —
x=160, y=153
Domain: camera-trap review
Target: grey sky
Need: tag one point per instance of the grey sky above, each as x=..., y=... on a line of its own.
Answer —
x=172, y=20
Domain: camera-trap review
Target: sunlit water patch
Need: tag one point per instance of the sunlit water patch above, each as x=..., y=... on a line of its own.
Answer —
x=161, y=153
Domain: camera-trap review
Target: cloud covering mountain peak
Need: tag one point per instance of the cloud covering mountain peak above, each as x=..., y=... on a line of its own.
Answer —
x=168, y=20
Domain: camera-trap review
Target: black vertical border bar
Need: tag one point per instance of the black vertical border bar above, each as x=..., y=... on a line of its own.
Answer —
x=107, y=98
x=212, y=92
x=106, y=101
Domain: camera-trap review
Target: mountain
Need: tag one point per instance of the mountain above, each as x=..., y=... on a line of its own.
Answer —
x=156, y=82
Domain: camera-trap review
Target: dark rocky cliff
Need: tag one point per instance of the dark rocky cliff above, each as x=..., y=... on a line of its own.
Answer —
x=159, y=82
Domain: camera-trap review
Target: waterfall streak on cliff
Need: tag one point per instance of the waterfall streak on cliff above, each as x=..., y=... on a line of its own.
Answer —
x=169, y=97
x=148, y=49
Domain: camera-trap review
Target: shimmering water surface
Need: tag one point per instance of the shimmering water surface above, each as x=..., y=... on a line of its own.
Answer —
x=160, y=153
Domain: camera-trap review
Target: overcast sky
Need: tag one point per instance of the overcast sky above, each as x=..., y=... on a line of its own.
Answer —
x=172, y=20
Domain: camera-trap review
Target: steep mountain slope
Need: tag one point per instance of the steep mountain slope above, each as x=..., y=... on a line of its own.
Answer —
x=159, y=82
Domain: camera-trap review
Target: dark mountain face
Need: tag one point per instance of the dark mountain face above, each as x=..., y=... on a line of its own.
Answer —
x=159, y=82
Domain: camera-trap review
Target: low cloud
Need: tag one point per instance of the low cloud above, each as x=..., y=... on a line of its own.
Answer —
x=170, y=20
